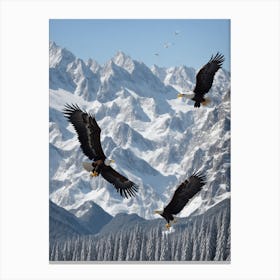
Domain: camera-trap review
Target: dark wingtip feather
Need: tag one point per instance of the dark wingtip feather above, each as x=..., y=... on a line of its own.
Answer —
x=68, y=110
x=219, y=58
x=125, y=193
x=129, y=192
x=201, y=177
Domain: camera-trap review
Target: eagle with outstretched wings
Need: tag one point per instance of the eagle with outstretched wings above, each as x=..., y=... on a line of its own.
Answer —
x=88, y=132
x=184, y=192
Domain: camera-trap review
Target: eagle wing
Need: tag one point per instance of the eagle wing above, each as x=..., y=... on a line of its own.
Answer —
x=88, y=131
x=184, y=192
x=205, y=76
x=124, y=186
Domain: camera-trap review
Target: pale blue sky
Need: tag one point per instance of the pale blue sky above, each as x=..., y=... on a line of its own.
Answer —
x=196, y=41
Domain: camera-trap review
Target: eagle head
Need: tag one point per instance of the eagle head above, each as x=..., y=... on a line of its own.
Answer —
x=188, y=95
x=107, y=161
x=160, y=212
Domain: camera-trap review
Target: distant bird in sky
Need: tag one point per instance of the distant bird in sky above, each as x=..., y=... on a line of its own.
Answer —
x=184, y=192
x=89, y=137
x=204, y=80
x=167, y=45
x=177, y=32
x=156, y=54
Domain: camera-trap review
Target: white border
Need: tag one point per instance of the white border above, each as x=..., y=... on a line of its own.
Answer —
x=255, y=138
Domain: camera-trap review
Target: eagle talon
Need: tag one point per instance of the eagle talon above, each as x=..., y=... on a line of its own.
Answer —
x=94, y=174
x=168, y=226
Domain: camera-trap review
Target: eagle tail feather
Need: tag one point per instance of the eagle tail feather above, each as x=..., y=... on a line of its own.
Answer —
x=206, y=102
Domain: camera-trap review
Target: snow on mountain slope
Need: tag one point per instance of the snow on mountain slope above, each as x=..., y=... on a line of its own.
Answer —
x=155, y=139
x=180, y=76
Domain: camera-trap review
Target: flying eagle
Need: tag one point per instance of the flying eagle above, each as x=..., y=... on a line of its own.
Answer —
x=89, y=137
x=204, y=80
x=184, y=192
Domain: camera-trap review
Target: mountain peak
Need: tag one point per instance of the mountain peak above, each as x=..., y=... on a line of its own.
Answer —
x=180, y=77
x=52, y=44
x=124, y=61
x=59, y=56
x=93, y=65
x=120, y=55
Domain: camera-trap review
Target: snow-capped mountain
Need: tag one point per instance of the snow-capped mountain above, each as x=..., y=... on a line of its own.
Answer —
x=156, y=140
x=181, y=77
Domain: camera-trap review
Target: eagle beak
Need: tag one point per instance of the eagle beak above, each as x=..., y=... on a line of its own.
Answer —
x=157, y=212
x=180, y=95
x=112, y=161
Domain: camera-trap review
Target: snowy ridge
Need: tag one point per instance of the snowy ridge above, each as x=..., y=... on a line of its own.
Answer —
x=155, y=139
